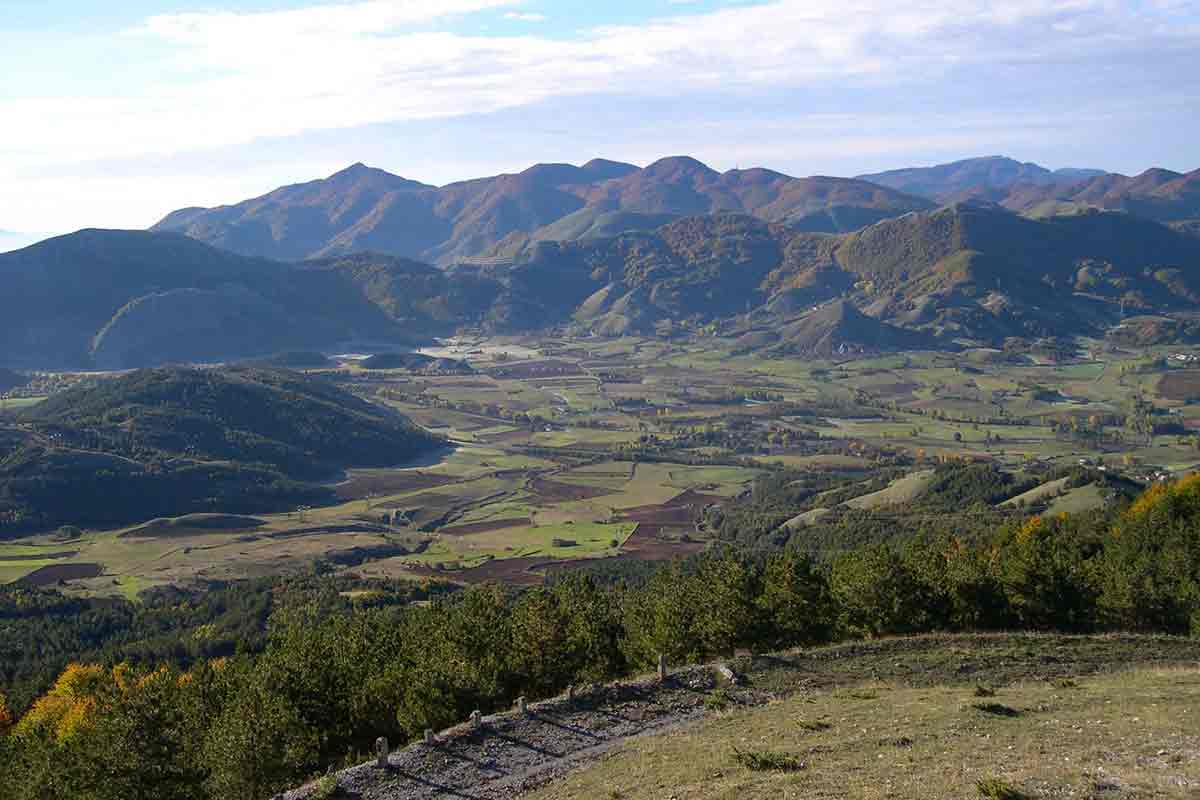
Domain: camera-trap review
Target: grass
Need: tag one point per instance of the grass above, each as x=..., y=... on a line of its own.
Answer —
x=1137, y=729
x=591, y=540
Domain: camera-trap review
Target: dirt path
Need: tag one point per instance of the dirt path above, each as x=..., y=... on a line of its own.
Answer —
x=512, y=753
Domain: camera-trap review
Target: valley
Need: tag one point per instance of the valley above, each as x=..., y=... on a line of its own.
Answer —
x=567, y=451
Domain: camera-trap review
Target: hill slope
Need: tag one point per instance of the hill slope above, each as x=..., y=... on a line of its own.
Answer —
x=118, y=299
x=175, y=441
x=367, y=209
x=963, y=271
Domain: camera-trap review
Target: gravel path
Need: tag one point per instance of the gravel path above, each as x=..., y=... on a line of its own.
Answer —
x=513, y=753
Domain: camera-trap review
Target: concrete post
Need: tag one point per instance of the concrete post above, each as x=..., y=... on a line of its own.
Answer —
x=662, y=667
x=430, y=739
x=522, y=708
x=476, y=720
x=381, y=752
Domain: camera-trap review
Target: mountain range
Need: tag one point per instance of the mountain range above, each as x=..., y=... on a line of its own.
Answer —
x=502, y=217
x=361, y=208
x=1158, y=194
x=611, y=249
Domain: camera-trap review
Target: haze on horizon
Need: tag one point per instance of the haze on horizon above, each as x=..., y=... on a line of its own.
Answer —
x=116, y=114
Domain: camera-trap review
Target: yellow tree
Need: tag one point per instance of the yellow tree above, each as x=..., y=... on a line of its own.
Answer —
x=6, y=717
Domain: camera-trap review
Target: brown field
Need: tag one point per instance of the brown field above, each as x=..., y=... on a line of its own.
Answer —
x=648, y=544
x=487, y=527
x=1182, y=385
x=550, y=368
x=50, y=575
x=516, y=571
x=549, y=492
x=389, y=482
x=44, y=556
x=680, y=511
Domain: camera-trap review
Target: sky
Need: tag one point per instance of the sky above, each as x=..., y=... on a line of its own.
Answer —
x=113, y=114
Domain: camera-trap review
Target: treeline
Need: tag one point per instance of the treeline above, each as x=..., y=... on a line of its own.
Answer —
x=42, y=630
x=329, y=682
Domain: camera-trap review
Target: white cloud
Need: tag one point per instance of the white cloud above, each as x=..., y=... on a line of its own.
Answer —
x=233, y=78
x=525, y=16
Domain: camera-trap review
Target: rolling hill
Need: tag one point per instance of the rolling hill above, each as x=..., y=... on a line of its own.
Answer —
x=963, y=271
x=361, y=208
x=167, y=442
x=1157, y=194
x=968, y=271
x=121, y=299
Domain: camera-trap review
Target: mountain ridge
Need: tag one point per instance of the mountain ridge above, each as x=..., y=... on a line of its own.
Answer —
x=362, y=208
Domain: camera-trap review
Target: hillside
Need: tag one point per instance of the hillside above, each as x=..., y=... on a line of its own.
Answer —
x=1157, y=194
x=120, y=299
x=174, y=441
x=115, y=300
x=967, y=270
x=836, y=329
x=837, y=720
x=361, y=209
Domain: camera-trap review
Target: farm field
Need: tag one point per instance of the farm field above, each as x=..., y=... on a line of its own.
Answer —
x=591, y=441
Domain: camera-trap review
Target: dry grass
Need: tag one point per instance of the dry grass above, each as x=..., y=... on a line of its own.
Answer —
x=1123, y=735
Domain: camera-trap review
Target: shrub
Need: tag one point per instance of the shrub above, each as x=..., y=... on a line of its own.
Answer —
x=767, y=761
x=997, y=789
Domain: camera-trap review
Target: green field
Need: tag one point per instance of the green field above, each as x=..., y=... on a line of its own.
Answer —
x=923, y=407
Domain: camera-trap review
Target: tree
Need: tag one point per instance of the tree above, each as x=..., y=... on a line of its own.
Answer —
x=258, y=744
x=6, y=717
x=795, y=603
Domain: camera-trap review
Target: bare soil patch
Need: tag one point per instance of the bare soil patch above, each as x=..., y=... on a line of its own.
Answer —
x=680, y=511
x=651, y=542
x=43, y=556
x=1180, y=385
x=486, y=527
x=50, y=575
x=381, y=483
x=549, y=491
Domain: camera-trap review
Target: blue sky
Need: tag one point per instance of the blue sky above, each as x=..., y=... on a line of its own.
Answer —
x=116, y=113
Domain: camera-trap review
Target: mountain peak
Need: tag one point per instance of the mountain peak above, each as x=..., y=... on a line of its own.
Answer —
x=678, y=166
x=604, y=169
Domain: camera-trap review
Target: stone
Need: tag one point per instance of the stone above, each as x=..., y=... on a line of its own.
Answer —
x=476, y=720
x=430, y=739
x=381, y=752
x=662, y=667
x=522, y=707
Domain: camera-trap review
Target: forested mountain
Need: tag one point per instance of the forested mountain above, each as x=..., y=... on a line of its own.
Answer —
x=176, y=441
x=367, y=209
x=974, y=176
x=117, y=299
x=1157, y=194
x=976, y=271
x=969, y=271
